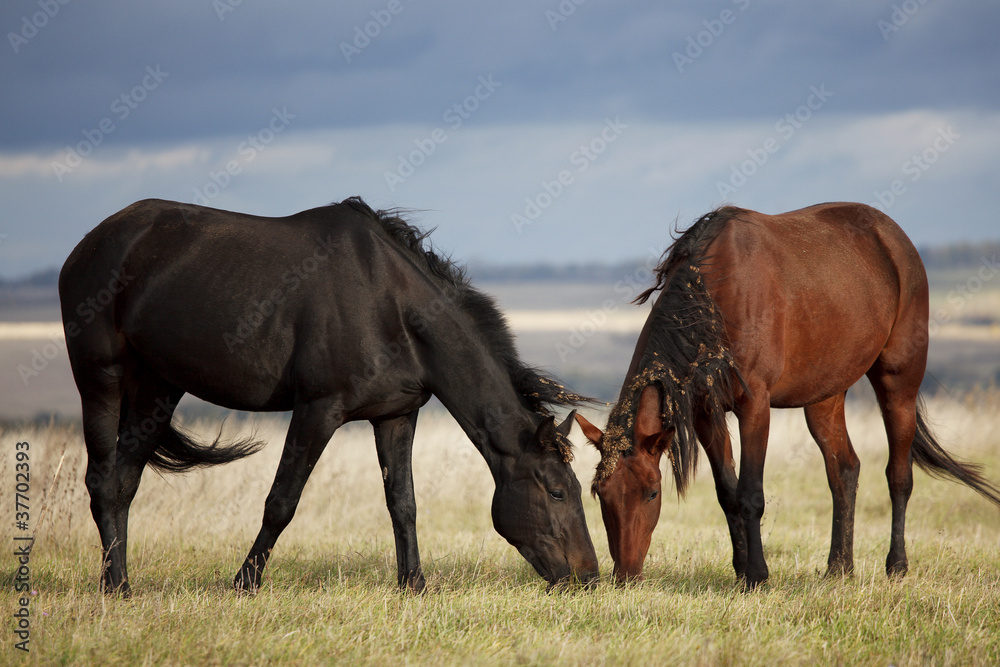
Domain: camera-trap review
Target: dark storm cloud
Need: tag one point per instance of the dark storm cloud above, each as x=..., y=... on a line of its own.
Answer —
x=228, y=64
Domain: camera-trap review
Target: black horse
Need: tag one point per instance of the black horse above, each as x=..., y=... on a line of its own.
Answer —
x=338, y=313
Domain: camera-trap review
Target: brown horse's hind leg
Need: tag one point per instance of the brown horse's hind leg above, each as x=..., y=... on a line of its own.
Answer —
x=897, y=398
x=719, y=449
x=828, y=427
x=311, y=428
x=896, y=377
x=755, y=421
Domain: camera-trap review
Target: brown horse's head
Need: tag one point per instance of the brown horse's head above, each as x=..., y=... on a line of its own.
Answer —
x=537, y=507
x=628, y=484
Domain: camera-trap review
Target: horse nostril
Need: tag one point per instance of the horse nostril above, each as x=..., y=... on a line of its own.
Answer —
x=628, y=576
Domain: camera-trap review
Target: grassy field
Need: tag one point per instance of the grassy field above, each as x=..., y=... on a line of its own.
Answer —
x=329, y=594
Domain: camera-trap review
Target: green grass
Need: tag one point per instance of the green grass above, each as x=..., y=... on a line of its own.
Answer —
x=329, y=593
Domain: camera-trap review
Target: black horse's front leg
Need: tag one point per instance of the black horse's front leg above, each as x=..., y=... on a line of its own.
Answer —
x=310, y=430
x=394, y=443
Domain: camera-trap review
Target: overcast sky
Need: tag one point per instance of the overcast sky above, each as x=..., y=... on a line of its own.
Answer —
x=524, y=131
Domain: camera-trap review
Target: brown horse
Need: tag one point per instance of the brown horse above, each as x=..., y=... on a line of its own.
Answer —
x=758, y=311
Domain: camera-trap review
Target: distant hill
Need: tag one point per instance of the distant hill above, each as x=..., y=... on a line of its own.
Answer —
x=936, y=258
x=36, y=289
x=41, y=286
x=959, y=255
x=568, y=273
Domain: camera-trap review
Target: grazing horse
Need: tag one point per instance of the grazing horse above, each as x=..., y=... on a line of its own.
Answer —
x=757, y=312
x=338, y=313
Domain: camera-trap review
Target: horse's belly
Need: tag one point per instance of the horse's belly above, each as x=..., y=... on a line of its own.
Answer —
x=819, y=369
x=206, y=362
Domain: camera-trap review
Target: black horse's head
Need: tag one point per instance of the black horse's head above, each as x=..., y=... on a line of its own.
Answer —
x=537, y=507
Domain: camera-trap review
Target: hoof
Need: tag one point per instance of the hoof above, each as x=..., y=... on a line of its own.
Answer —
x=896, y=570
x=752, y=583
x=123, y=590
x=244, y=585
x=837, y=570
x=414, y=584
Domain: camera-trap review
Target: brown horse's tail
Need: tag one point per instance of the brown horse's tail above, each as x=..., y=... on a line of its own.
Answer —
x=933, y=460
x=176, y=451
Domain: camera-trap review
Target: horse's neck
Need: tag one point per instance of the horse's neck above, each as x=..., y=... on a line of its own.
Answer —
x=477, y=390
x=635, y=366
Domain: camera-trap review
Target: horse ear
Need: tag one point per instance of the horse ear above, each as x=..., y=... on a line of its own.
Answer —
x=545, y=434
x=567, y=425
x=593, y=434
x=649, y=417
x=650, y=435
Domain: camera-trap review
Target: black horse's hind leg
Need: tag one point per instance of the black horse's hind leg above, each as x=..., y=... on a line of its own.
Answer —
x=100, y=432
x=146, y=416
x=310, y=430
x=828, y=427
x=394, y=442
x=719, y=449
x=99, y=370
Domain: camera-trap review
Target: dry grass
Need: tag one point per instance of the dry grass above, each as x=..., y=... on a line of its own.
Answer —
x=329, y=593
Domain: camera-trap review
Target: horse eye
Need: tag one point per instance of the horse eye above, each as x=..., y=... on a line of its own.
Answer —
x=652, y=496
x=557, y=494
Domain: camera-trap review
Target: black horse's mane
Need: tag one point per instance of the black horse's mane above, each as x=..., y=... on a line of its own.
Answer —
x=538, y=391
x=686, y=356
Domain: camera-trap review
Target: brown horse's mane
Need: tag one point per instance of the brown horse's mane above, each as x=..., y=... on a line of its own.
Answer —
x=686, y=355
x=538, y=391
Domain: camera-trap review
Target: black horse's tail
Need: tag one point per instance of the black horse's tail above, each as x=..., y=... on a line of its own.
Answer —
x=933, y=460
x=176, y=451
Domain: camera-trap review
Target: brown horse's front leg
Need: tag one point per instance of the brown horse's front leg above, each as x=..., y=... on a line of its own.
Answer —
x=719, y=449
x=755, y=418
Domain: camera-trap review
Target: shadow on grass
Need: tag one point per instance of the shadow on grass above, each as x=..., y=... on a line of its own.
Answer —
x=719, y=578
x=192, y=571
x=371, y=567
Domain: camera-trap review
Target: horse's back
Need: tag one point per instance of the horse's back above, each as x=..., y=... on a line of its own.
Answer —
x=811, y=297
x=153, y=236
x=287, y=305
